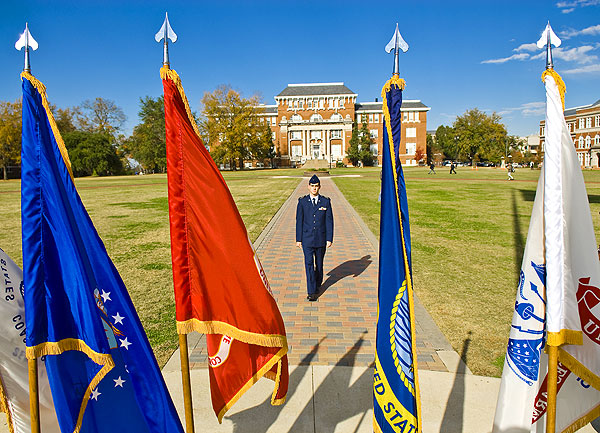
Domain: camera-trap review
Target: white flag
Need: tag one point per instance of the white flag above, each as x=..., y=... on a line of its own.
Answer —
x=559, y=279
x=14, y=385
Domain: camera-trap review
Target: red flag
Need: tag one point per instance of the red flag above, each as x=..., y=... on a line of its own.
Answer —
x=220, y=286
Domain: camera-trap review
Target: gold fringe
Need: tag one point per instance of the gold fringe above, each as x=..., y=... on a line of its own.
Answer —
x=584, y=420
x=275, y=359
x=562, y=89
x=578, y=368
x=565, y=336
x=277, y=401
x=215, y=327
x=376, y=428
x=59, y=141
x=58, y=347
x=169, y=74
x=387, y=87
x=5, y=407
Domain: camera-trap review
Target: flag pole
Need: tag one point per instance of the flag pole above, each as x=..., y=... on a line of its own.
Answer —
x=34, y=401
x=165, y=33
x=27, y=41
x=187, y=386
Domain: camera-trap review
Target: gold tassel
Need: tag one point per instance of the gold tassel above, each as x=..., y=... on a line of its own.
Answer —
x=169, y=74
x=214, y=327
x=562, y=89
x=59, y=141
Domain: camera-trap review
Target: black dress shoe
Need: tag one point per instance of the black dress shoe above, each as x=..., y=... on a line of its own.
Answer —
x=312, y=298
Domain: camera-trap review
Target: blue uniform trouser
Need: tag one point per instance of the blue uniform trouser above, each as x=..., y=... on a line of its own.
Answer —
x=313, y=263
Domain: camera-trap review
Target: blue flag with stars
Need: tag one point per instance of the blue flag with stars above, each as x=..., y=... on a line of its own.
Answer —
x=395, y=385
x=80, y=319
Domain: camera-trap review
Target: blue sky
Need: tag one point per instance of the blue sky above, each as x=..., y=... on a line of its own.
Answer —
x=463, y=54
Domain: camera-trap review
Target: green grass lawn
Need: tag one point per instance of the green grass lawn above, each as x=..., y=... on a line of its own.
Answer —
x=131, y=216
x=468, y=234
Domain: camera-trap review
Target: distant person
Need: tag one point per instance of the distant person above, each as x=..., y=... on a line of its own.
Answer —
x=314, y=233
x=511, y=169
x=452, y=168
x=431, y=168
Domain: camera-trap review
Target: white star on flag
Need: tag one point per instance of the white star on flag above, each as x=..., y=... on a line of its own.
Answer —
x=125, y=343
x=95, y=394
x=118, y=319
x=119, y=382
x=105, y=296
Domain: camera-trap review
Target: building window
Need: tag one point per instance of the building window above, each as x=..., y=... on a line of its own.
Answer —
x=336, y=150
x=274, y=121
x=405, y=116
x=301, y=104
x=296, y=135
x=296, y=118
x=597, y=121
x=310, y=103
x=370, y=118
x=376, y=117
x=588, y=142
x=315, y=135
x=411, y=132
x=543, y=130
x=597, y=140
x=588, y=122
x=336, y=133
x=373, y=133
x=321, y=101
x=411, y=116
x=581, y=121
x=316, y=117
x=374, y=149
x=336, y=117
x=341, y=103
x=580, y=142
x=411, y=148
x=296, y=151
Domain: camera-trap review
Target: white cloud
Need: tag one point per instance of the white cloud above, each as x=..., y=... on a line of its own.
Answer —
x=527, y=109
x=589, y=69
x=527, y=47
x=569, y=6
x=520, y=56
x=577, y=54
x=588, y=31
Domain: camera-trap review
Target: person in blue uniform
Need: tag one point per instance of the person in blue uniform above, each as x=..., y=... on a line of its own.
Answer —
x=314, y=234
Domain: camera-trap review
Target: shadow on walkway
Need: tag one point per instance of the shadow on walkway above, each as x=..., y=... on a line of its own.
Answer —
x=350, y=267
x=454, y=415
x=336, y=399
x=269, y=413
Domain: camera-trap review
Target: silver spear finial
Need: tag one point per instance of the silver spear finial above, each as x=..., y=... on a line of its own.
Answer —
x=548, y=39
x=26, y=41
x=396, y=44
x=166, y=33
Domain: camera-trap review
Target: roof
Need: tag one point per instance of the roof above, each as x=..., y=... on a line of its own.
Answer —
x=573, y=111
x=312, y=89
x=268, y=109
x=407, y=104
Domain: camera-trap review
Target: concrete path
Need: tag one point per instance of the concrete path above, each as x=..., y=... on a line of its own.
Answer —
x=332, y=344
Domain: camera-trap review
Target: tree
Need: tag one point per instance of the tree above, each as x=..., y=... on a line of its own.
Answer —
x=366, y=155
x=100, y=115
x=65, y=119
x=232, y=125
x=445, y=140
x=353, y=152
x=10, y=135
x=419, y=155
x=480, y=136
x=92, y=154
x=147, y=144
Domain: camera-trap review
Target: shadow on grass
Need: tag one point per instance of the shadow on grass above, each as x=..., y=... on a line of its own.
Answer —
x=346, y=269
x=454, y=414
x=529, y=195
x=519, y=238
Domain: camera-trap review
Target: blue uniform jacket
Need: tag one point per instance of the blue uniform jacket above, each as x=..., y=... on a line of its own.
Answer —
x=314, y=224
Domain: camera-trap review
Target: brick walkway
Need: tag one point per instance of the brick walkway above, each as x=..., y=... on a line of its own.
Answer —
x=338, y=329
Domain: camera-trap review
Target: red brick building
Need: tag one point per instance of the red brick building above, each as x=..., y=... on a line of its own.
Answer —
x=584, y=125
x=314, y=121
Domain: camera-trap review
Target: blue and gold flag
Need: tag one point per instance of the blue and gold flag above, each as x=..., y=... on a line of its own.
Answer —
x=396, y=406
x=79, y=317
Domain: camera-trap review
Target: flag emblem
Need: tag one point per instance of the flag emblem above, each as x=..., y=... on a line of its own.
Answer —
x=401, y=339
